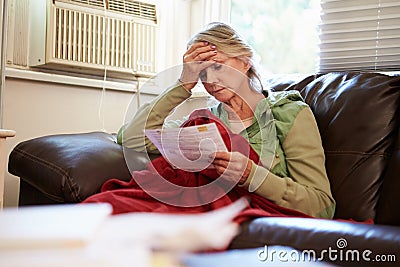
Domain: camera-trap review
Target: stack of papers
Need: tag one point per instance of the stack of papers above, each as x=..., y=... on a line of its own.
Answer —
x=87, y=235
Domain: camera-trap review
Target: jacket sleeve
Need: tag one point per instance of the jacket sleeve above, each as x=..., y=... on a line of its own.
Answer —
x=307, y=189
x=151, y=116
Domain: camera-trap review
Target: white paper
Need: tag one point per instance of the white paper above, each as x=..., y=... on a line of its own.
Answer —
x=188, y=148
x=109, y=241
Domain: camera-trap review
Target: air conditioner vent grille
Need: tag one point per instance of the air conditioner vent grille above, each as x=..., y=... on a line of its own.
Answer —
x=135, y=8
x=127, y=7
x=88, y=3
x=90, y=40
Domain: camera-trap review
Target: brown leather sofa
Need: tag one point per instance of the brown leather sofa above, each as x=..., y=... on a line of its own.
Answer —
x=358, y=115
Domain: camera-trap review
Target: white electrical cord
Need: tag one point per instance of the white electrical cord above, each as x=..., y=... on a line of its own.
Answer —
x=105, y=59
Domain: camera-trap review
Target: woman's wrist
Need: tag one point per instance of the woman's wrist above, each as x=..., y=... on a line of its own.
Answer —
x=242, y=180
x=246, y=173
x=187, y=85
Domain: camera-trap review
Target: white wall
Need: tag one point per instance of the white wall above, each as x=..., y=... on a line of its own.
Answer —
x=34, y=108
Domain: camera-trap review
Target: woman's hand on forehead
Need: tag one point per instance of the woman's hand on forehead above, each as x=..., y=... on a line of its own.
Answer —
x=199, y=56
x=200, y=51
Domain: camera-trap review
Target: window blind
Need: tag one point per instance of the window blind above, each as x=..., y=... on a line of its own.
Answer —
x=359, y=35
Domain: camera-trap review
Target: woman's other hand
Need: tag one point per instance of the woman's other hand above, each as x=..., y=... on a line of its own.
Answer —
x=199, y=56
x=233, y=166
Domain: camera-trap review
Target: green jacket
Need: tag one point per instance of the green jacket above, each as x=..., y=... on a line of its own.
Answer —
x=285, y=135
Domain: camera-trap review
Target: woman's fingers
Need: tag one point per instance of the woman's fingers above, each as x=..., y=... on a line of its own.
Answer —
x=199, y=54
x=205, y=55
x=221, y=159
x=233, y=166
x=230, y=161
x=195, y=46
x=203, y=52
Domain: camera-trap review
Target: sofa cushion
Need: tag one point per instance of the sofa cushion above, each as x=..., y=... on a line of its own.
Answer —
x=71, y=167
x=357, y=115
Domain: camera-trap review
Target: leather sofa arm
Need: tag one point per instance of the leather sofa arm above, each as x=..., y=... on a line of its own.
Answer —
x=320, y=235
x=68, y=168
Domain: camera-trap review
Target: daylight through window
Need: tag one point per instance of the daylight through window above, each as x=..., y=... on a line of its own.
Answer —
x=284, y=33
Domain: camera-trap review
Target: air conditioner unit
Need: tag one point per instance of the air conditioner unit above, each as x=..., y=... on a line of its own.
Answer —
x=85, y=36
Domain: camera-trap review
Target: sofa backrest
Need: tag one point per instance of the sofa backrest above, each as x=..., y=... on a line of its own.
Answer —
x=388, y=211
x=358, y=118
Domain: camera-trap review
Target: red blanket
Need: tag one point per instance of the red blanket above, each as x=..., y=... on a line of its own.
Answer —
x=151, y=189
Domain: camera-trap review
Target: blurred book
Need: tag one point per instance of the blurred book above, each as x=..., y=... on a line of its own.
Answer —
x=51, y=226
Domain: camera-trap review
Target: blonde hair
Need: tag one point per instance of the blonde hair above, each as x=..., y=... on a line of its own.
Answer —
x=228, y=41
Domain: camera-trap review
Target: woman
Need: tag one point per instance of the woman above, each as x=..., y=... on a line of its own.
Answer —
x=294, y=177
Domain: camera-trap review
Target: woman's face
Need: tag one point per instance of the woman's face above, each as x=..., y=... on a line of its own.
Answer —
x=226, y=78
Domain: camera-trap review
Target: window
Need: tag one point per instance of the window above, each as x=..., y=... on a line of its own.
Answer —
x=283, y=33
x=360, y=35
